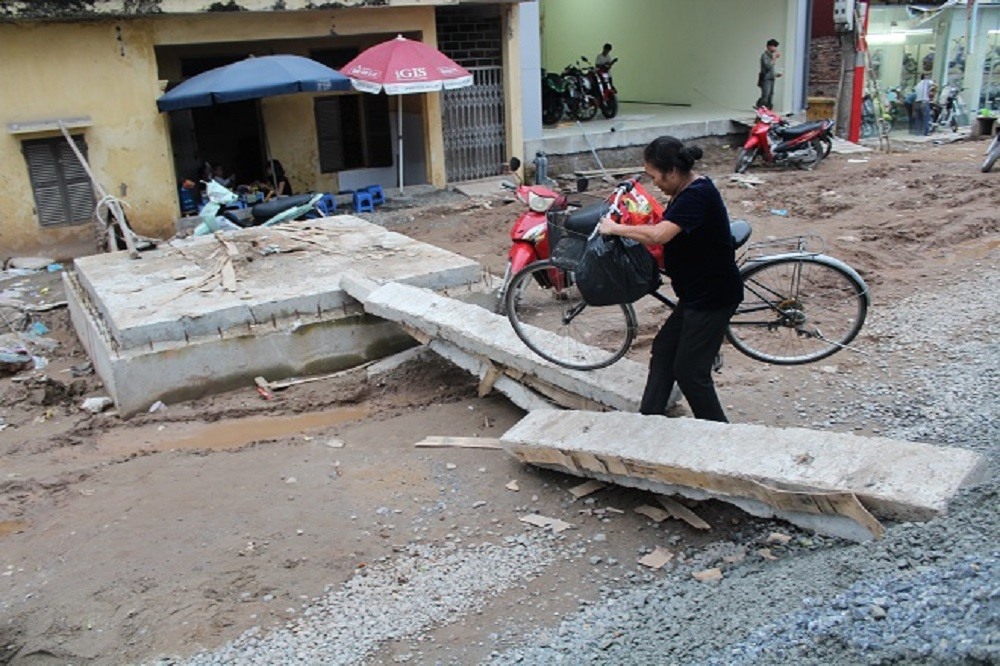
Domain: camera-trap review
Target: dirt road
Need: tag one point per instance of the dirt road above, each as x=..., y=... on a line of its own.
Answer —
x=178, y=530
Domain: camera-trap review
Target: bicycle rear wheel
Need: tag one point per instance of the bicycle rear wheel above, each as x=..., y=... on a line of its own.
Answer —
x=552, y=319
x=798, y=309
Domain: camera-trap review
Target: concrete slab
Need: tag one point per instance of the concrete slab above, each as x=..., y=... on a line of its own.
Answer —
x=210, y=313
x=489, y=337
x=832, y=483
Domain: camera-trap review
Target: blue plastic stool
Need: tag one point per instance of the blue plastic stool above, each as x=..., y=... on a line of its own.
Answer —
x=378, y=196
x=188, y=204
x=363, y=202
x=327, y=205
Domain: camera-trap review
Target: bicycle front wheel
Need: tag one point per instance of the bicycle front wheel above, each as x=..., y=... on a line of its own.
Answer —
x=552, y=319
x=798, y=309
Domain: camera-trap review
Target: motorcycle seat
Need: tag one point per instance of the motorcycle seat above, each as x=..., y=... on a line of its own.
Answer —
x=799, y=130
x=583, y=220
x=265, y=211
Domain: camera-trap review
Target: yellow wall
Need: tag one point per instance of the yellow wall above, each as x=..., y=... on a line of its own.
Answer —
x=69, y=70
x=52, y=70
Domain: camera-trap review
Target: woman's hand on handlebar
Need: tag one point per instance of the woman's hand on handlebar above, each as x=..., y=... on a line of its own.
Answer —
x=607, y=226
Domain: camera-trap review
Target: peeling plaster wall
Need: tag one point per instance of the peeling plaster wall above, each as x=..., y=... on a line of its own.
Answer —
x=50, y=70
x=105, y=70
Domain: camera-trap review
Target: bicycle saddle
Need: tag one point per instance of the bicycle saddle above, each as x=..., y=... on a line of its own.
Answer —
x=741, y=230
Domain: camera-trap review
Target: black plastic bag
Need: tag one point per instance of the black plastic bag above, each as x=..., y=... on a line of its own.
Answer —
x=616, y=270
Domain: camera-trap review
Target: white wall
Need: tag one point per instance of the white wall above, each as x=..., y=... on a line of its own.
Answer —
x=699, y=52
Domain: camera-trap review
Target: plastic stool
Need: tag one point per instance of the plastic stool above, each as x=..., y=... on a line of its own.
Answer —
x=378, y=196
x=363, y=202
x=327, y=205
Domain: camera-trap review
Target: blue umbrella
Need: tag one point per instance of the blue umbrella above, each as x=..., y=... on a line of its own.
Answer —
x=254, y=78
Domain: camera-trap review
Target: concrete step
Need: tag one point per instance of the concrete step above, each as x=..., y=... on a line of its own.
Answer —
x=833, y=483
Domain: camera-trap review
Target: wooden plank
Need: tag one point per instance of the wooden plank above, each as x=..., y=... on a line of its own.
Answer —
x=655, y=514
x=436, y=442
x=490, y=378
x=586, y=488
x=681, y=512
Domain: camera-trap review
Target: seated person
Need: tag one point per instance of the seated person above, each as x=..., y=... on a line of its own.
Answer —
x=219, y=176
x=275, y=181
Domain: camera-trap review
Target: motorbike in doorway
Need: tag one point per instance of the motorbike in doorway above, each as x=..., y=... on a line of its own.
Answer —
x=580, y=100
x=946, y=113
x=776, y=142
x=603, y=87
x=214, y=215
x=553, y=98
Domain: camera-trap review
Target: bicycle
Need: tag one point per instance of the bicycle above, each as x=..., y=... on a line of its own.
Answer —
x=800, y=306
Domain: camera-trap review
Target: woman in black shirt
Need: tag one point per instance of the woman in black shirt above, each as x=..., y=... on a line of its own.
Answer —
x=699, y=258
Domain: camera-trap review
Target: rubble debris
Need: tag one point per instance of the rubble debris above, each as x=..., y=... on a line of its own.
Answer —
x=657, y=559
x=553, y=524
x=652, y=512
x=778, y=538
x=586, y=488
x=512, y=485
x=96, y=405
x=435, y=442
x=708, y=574
x=680, y=512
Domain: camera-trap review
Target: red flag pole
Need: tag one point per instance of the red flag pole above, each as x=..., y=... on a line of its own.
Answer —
x=858, y=92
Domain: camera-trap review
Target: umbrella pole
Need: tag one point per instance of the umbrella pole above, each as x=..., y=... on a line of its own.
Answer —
x=399, y=131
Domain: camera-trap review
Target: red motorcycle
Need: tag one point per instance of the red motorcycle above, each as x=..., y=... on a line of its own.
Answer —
x=602, y=87
x=776, y=142
x=529, y=234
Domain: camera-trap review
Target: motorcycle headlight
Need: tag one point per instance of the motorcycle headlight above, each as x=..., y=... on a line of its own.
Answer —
x=538, y=203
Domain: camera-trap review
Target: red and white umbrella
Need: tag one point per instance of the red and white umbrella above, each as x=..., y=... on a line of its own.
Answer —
x=402, y=66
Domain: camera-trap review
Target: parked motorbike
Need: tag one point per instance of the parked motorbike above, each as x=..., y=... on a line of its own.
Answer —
x=529, y=233
x=528, y=238
x=553, y=98
x=214, y=216
x=946, y=113
x=776, y=142
x=580, y=99
x=604, y=88
x=992, y=153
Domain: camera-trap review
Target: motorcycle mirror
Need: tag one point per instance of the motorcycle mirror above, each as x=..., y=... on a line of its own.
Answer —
x=582, y=184
x=584, y=58
x=515, y=164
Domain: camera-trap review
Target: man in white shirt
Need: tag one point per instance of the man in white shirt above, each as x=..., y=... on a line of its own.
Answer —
x=922, y=105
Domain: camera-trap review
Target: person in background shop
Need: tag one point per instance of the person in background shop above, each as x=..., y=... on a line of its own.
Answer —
x=604, y=58
x=922, y=105
x=275, y=182
x=767, y=75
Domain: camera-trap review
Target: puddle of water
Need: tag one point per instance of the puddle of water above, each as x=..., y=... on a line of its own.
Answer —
x=8, y=527
x=227, y=434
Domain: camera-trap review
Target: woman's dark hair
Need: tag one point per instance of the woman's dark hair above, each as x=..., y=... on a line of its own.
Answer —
x=667, y=153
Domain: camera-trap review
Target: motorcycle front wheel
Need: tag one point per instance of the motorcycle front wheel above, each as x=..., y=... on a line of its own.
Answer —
x=552, y=110
x=587, y=108
x=746, y=156
x=609, y=109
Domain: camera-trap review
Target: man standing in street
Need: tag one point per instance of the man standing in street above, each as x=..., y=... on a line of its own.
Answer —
x=922, y=106
x=767, y=75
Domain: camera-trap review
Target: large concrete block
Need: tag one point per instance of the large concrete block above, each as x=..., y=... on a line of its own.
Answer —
x=829, y=482
x=486, y=335
x=211, y=313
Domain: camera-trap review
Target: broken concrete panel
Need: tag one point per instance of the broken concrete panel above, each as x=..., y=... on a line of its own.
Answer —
x=825, y=481
x=486, y=335
x=165, y=327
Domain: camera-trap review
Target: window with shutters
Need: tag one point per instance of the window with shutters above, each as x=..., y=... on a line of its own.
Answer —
x=353, y=132
x=62, y=189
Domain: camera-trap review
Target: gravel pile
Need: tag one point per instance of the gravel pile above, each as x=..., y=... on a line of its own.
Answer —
x=418, y=589
x=925, y=594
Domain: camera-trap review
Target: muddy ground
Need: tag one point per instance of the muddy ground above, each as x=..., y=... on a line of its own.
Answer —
x=177, y=530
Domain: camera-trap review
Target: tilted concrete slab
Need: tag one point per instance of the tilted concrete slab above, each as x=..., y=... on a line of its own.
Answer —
x=486, y=339
x=210, y=313
x=833, y=483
